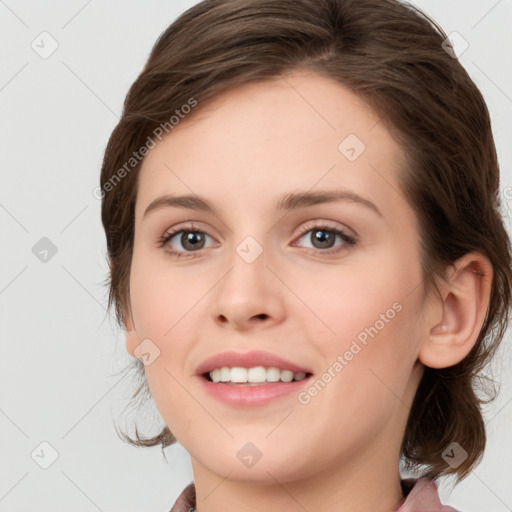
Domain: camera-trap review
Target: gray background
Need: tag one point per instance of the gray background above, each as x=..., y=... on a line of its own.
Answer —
x=59, y=350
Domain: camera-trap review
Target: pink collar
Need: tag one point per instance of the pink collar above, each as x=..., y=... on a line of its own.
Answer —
x=421, y=496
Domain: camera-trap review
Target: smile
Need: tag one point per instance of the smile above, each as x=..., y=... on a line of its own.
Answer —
x=253, y=376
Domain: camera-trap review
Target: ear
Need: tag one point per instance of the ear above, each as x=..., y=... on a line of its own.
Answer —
x=456, y=318
x=131, y=337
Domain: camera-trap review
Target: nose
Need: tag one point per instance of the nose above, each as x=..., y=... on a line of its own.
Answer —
x=249, y=295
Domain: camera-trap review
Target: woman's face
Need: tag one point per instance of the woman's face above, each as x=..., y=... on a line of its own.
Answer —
x=265, y=269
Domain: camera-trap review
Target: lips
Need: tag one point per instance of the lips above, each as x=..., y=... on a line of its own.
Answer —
x=250, y=394
x=248, y=360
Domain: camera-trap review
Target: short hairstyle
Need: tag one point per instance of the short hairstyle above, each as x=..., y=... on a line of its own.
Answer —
x=395, y=58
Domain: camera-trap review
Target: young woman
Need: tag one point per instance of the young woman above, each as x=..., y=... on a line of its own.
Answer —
x=301, y=205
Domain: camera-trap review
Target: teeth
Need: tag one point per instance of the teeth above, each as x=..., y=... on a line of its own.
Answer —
x=224, y=374
x=257, y=374
x=273, y=375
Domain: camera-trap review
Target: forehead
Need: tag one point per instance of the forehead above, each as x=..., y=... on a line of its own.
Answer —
x=267, y=138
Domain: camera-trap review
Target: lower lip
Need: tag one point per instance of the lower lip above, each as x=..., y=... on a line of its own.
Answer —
x=243, y=395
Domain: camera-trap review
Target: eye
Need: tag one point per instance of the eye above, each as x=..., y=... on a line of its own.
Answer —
x=189, y=238
x=323, y=237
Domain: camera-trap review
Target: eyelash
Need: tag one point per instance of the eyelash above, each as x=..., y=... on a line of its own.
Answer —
x=168, y=236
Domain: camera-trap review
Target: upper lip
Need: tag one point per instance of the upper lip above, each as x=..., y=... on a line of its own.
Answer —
x=248, y=360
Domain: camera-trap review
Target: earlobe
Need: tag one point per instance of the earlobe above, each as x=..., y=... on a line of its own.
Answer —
x=463, y=303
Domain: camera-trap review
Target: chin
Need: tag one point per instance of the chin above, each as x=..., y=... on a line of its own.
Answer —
x=244, y=462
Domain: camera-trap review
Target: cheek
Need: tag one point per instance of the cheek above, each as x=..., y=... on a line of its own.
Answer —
x=163, y=312
x=366, y=315
x=162, y=296
x=346, y=300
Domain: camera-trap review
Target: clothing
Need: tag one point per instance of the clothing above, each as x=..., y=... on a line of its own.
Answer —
x=421, y=496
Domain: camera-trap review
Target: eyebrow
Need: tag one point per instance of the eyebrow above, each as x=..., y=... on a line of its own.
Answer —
x=288, y=202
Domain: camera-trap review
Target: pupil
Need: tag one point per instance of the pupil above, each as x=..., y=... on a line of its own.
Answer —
x=192, y=238
x=322, y=237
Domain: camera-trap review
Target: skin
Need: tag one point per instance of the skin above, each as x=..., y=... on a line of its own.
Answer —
x=242, y=151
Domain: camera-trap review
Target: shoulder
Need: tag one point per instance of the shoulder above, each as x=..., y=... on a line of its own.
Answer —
x=422, y=494
x=186, y=501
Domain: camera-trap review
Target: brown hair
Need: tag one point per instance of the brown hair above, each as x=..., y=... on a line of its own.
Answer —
x=391, y=55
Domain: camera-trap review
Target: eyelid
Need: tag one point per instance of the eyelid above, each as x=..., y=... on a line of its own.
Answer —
x=327, y=224
x=191, y=226
x=187, y=227
x=304, y=227
x=349, y=238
